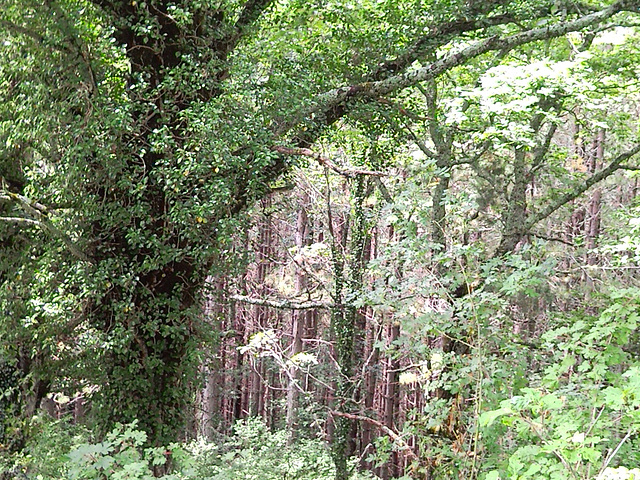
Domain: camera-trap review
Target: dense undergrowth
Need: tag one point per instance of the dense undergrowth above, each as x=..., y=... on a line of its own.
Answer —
x=57, y=450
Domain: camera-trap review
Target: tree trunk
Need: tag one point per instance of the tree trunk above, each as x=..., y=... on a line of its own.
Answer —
x=592, y=226
x=210, y=394
x=298, y=320
x=391, y=394
x=344, y=319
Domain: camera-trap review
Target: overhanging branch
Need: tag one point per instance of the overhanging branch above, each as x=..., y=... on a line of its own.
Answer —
x=336, y=97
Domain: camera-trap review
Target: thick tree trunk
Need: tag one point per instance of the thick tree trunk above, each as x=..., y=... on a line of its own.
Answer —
x=155, y=270
x=344, y=319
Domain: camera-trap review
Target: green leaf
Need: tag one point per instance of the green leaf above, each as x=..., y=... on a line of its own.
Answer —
x=551, y=402
x=487, y=418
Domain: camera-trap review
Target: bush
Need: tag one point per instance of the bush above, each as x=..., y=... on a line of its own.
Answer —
x=255, y=453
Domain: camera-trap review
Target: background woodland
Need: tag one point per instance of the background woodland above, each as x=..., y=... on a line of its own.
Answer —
x=332, y=239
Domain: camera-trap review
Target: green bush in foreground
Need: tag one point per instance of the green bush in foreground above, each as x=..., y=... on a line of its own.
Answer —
x=57, y=452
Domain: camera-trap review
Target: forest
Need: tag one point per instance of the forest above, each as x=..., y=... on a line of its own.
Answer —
x=319, y=239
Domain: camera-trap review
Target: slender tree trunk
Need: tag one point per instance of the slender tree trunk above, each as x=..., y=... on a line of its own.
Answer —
x=210, y=395
x=241, y=389
x=371, y=377
x=516, y=210
x=592, y=226
x=298, y=320
x=391, y=393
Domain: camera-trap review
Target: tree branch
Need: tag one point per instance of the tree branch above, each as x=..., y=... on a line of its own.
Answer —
x=334, y=98
x=281, y=303
x=615, y=165
x=251, y=12
x=324, y=161
x=393, y=435
x=443, y=33
x=40, y=212
x=552, y=239
x=41, y=39
x=26, y=221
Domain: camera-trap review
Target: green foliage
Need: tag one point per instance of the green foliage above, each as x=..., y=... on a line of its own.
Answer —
x=57, y=450
x=44, y=455
x=120, y=456
x=254, y=452
x=581, y=415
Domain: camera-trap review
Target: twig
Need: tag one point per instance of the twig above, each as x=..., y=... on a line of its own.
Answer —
x=613, y=454
x=552, y=239
x=393, y=435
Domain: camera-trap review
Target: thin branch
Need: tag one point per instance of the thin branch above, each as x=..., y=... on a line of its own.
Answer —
x=26, y=221
x=250, y=14
x=613, y=454
x=614, y=166
x=402, y=445
x=40, y=212
x=383, y=190
x=41, y=39
x=20, y=30
x=281, y=303
x=540, y=151
x=326, y=162
x=419, y=143
x=402, y=110
x=552, y=239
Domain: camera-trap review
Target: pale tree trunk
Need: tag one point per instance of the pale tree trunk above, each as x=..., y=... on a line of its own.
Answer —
x=298, y=320
x=261, y=313
x=241, y=391
x=209, y=399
